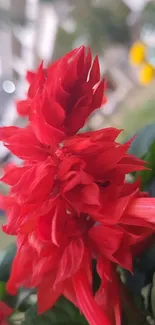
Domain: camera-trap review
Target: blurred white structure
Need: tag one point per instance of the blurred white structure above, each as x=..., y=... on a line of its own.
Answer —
x=28, y=31
x=34, y=39
x=136, y=5
x=46, y=30
x=28, y=35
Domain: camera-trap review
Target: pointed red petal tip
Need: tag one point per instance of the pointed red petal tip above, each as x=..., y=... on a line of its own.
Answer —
x=81, y=48
x=129, y=142
x=89, y=54
x=41, y=65
x=78, y=51
x=105, y=84
x=30, y=76
x=143, y=208
x=94, y=77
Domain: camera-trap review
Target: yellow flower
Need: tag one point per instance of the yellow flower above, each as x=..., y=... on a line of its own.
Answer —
x=137, y=53
x=147, y=74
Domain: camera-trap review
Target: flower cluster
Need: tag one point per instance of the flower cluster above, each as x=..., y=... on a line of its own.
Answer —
x=69, y=204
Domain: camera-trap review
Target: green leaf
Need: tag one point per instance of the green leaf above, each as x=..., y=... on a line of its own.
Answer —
x=63, y=313
x=147, y=176
x=144, y=147
x=150, y=188
x=144, y=139
x=2, y=289
x=6, y=258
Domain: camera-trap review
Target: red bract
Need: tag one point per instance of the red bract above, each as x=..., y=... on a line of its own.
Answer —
x=5, y=312
x=75, y=177
x=55, y=200
x=61, y=97
x=63, y=266
x=69, y=204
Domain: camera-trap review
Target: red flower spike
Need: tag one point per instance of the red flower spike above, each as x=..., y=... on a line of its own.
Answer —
x=69, y=202
x=72, y=82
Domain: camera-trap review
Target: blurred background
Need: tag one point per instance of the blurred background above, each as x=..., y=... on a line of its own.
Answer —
x=32, y=30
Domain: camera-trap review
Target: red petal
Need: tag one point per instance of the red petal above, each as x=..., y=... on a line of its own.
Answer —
x=92, y=312
x=28, y=149
x=107, y=239
x=47, y=295
x=37, y=82
x=113, y=209
x=95, y=72
x=58, y=222
x=143, y=208
x=38, y=180
x=76, y=178
x=14, y=175
x=54, y=113
x=113, y=156
x=87, y=63
x=73, y=68
x=69, y=292
x=7, y=132
x=30, y=75
x=21, y=273
x=109, y=283
x=23, y=107
x=5, y=310
x=45, y=132
x=88, y=142
x=45, y=264
x=98, y=96
x=71, y=260
x=90, y=194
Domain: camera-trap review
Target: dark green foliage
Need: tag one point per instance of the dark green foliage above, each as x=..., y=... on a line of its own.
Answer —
x=144, y=147
x=6, y=258
x=63, y=313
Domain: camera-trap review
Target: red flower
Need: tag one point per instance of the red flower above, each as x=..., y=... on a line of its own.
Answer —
x=69, y=203
x=5, y=312
x=61, y=98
